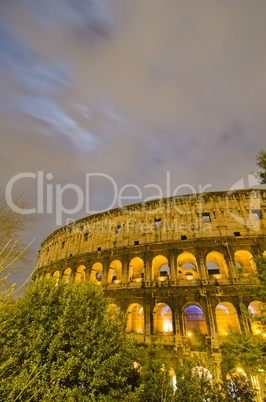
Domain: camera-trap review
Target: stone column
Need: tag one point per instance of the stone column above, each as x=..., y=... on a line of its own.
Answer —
x=173, y=266
x=203, y=272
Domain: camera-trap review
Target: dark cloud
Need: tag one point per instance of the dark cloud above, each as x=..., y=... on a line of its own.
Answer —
x=132, y=89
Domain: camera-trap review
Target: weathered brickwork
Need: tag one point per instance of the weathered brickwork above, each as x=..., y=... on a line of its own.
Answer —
x=172, y=265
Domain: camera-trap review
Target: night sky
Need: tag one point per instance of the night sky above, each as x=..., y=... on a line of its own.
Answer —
x=132, y=89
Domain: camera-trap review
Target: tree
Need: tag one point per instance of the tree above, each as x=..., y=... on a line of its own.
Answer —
x=64, y=342
x=154, y=383
x=15, y=241
x=247, y=351
x=261, y=163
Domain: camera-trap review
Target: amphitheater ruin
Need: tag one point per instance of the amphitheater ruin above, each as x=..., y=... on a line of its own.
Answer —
x=171, y=264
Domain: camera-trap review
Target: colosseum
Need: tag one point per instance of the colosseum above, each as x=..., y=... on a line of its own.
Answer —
x=171, y=264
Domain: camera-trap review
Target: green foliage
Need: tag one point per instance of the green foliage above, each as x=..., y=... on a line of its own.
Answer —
x=196, y=381
x=62, y=342
x=245, y=351
x=261, y=163
x=154, y=382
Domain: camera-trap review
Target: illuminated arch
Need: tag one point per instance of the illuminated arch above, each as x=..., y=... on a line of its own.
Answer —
x=80, y=274
x=187, y=266
x=157, y=263
x=194, y=320
x=226, y=318
x=57, y=276
x=115, y=272
x=96, y=273
x=135, y=319
x=256, y=309
x=136, y=266
x=246, y=261
x=216, y=264
x=162, y=319
x=67, y=276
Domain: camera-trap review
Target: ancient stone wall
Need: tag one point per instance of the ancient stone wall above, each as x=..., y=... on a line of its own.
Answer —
x=172, y=264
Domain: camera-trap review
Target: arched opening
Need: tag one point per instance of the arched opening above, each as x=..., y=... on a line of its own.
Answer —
x=216, y=265
x=135, y=319
x=67, y=276
x=115, y=272
x=136, y=267
x=162, y=319
x=245, y=261
x=164, y=270
x=96, y=273
x=226, y=318
x=157, y=263
x=256, y=309
x=194, y=320
x=80, y=274
x=57, y=276
x=187, y=266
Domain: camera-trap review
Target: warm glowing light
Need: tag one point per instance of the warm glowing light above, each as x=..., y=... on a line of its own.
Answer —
x=264, y=335
x=240, y=370
x=189, y=334
x=257, y=332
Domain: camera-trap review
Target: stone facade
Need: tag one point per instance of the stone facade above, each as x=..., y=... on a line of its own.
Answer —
x=171, y=264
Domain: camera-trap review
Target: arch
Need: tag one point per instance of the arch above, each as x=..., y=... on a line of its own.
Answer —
x=255, y=308
x=56, y=275
x=136, y=266
x=157, y=263
x=135, y=319
x=194, y=320
x=80, y=274
x=216, y=264
x=96, y=273
x=67, y=276
x=226, y=318
x=115, y=272
x=187, y=266
x=246, y=260
x=162, y=319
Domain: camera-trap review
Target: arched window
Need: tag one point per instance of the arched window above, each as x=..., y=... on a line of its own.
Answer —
x=67, y=276
x=256, y=309
x=194, y=320
x=96, y=273
x=245, y=261
x=136, y=267
x=187, y=266
x=135, y=319
x=157, y=263
x=226, y=318
x=80, y=274
x=216, y=264
x=115, y=272
x=162, y=319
